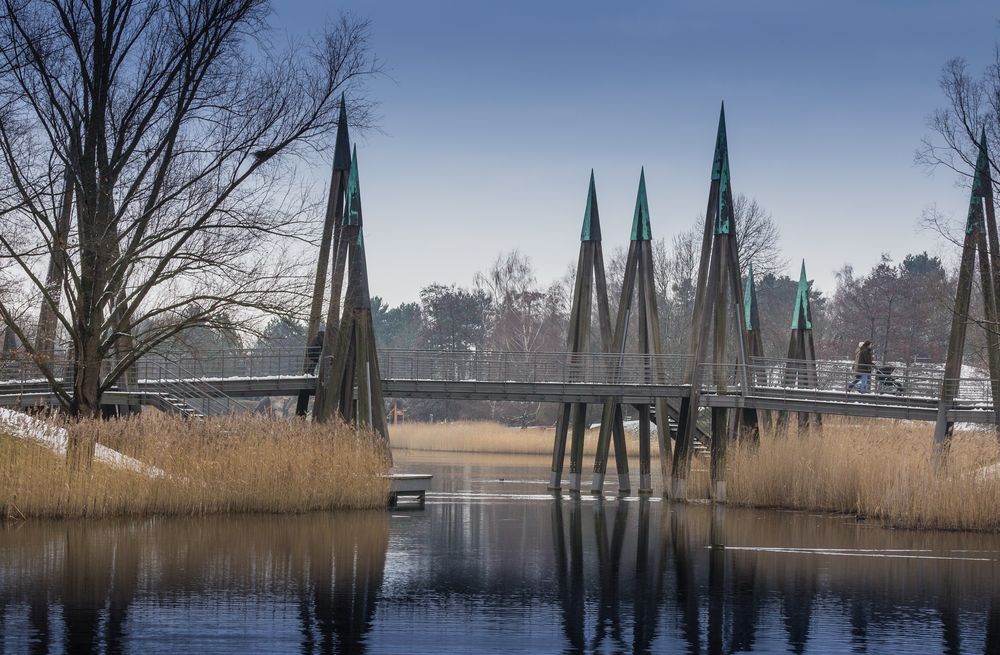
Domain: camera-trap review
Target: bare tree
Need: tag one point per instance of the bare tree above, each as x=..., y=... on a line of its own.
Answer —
x=757, y=237
x=178, y=126
x=973, y=106
x=524, y=317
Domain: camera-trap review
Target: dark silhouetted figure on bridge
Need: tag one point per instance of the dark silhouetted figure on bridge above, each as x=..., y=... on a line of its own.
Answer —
x=863, y=363
x=315, y=350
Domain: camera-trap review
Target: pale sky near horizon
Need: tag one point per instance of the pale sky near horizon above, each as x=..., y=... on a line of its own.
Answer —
x=492, y=115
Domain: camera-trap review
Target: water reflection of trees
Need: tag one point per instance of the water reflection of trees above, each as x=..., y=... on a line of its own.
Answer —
x=77, y=585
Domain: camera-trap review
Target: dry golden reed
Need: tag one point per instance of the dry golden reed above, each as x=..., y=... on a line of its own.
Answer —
x=231, y=464
x=488, y=437
x=874, y=469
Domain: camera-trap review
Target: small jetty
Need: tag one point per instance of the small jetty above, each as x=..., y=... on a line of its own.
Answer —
x=408, y=485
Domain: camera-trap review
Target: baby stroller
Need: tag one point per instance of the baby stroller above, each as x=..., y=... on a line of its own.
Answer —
x=886, y=382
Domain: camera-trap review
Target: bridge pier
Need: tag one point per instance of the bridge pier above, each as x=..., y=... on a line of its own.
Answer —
x=720, y=442
x=980, y=235
x=330, y=238
x=590, y=281
x=719, y=290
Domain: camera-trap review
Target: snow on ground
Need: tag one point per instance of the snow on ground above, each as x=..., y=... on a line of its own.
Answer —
x=24, y=426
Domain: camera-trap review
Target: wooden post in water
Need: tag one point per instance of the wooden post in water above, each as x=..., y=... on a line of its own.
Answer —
x=590, y=277
x=720, y=290
x=981, y=236
x=351, y=384
x=330, y=236
x=800, y=369
x=638, y=276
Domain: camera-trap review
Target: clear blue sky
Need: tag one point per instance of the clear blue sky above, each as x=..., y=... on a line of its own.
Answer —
x=496, y=112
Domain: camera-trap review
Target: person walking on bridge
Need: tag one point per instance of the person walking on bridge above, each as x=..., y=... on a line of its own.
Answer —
x=864, y=361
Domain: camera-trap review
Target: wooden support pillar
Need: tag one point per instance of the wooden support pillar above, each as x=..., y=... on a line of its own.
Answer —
x=755, y=345
x=332, y=224
x=352, y=382
x=718, y=280
x=800, y=367
x=45, y=334
x=639, y=285
x=590, y=282
x=981, y=237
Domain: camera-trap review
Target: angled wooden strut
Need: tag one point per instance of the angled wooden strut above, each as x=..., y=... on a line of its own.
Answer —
x=590, y=281
x=329, y=240
x=45, y=334
x=719, y=291
x=981, y=236
x=326, y=402
x=349, y=383
x=755, y=347
x=639, y=281
x=800, y=367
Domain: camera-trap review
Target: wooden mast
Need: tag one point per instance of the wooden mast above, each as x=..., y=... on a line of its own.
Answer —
x=330, y=237
x=590, y=274
x=755, y=345
x=980, y=235
x=45, y=334
x=719, y=290
x=800, y=367
x=351, y=385
x=638, y=276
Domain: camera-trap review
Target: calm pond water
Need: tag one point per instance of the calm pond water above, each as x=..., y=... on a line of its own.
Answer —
x=496, y=564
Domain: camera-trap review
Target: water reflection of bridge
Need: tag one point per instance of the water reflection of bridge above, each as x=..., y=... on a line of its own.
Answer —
x=634, y=379
x=574, y=576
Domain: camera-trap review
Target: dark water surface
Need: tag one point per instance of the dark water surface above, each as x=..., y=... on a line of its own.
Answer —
x=495, y=564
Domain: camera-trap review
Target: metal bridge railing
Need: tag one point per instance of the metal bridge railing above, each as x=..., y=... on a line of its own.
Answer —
x=199, y=373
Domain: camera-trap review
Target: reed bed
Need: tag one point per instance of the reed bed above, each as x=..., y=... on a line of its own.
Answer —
x=488, y=437
x=231, y=464
x=874, y=469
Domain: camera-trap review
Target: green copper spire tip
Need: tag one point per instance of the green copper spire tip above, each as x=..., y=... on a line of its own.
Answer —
x=591, y=217
x=352, y=209
x=802, y=314
x=721, y=145
x=750, y=301
x=641, y=230
x=342, y=150
x=724, y=214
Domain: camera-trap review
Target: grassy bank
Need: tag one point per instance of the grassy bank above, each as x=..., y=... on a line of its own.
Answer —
x=487, y=437
x=872, y=469
x=238, y=464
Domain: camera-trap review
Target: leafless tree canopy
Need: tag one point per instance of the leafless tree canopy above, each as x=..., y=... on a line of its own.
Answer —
x=972, y=105
x=174, y=126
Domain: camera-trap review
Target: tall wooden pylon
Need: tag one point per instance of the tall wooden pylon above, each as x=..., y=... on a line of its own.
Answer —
x=755, y=345
x=45, y=334
x=331, y=232
x=981, y=236
x=590, y=281
x=350, y=383
x=639, y=281
x=800, y=367
x=720, y=291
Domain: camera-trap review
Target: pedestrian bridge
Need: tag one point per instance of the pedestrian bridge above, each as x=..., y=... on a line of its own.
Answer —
x=217, y=377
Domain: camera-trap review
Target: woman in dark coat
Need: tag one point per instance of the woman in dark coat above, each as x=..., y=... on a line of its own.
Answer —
x=864, y=362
